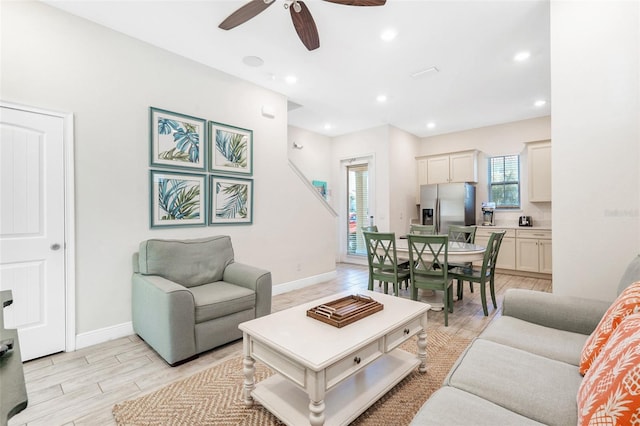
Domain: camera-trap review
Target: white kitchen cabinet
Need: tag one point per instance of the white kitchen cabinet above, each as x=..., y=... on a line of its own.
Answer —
x=422, y=176
x=533, y=250
x=438, y=169
x=453, y=167
x=507, y=254
x=539, y=165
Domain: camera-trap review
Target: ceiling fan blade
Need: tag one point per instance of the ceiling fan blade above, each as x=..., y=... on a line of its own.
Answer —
x=245, y=13
x=305, y=26
x=359, y=2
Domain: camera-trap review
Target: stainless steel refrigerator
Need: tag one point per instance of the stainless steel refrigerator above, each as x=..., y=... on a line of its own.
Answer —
x=448, y=204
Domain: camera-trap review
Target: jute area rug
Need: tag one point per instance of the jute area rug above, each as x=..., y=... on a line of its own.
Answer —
x=214, y=396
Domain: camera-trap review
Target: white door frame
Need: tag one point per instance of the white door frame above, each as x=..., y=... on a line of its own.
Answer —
x=369, y=160
x=69, y=219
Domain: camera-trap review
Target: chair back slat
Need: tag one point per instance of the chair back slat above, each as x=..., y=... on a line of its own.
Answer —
x=382, y=259
x=462, y=234
x=491, y=253
x=422, y=229
x=428, y=256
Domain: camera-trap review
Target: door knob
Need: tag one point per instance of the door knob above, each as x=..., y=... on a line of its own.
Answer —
x=55, y=246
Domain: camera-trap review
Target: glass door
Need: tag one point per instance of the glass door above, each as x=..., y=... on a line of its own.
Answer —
x=357, y=208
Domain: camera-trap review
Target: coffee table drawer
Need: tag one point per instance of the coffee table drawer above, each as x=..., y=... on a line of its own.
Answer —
x=352, y=363
x=283, y=365
x=400, y=334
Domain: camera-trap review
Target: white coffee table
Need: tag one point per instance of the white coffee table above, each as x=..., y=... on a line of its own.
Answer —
x=329, y=375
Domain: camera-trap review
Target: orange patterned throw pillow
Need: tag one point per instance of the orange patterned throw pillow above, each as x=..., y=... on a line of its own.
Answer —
x=610, y=391
x=627, y=303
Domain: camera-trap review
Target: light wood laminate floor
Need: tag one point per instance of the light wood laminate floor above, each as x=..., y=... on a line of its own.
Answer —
x=81, y=387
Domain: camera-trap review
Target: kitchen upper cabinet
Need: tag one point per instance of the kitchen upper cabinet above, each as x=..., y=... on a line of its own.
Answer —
x=533, y=251
x=422, y=176
x=539, y=164
x=454, y=167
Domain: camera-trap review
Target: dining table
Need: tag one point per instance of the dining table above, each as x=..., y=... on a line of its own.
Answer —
x=457, y=252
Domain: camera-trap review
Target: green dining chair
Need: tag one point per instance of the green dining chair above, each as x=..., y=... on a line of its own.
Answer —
x=462, y=234
x=371, y=228
x=383, y=260
x=428, y=267
x=422, y=229
x=486, y=274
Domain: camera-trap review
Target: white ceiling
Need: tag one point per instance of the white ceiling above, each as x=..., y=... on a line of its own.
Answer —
x=471, y=43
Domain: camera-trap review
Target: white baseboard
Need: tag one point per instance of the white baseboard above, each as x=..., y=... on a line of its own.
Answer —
x=102, y=335
x=305, y=282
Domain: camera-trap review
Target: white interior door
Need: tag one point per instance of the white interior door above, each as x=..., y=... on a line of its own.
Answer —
x=32, y=246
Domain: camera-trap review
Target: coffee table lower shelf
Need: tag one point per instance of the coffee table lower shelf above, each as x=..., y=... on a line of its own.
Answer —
x=344, y=402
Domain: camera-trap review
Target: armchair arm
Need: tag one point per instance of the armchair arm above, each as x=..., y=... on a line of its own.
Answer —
x=568, y=313
x=256, y=279
x=164, y=316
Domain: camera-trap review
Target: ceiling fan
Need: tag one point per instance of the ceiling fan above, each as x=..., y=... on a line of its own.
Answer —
x=302, y=20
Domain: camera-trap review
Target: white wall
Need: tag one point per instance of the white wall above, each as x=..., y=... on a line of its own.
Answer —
x=502, y=139
x=402, y=179
x=53, y=60
x=314, y=159
x=595, y=48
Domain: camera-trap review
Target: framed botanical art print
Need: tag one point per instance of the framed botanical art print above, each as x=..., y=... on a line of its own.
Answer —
x=178, y=199
x=231, y=149
x=177, y=140
x=231, y=200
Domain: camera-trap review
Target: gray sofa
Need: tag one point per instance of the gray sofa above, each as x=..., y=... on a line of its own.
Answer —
x=188, y=296
x=524, y=368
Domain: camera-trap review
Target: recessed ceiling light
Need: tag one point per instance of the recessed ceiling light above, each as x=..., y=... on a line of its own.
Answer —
x=327, y=126
x=389, y=34
x=540, y=103
x=291, y=79
x=253, y=61
x=431, y=125
x=381, y=98
x=522, y=56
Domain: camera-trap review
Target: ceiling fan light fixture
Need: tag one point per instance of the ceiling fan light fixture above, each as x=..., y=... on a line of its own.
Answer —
x=296, y=7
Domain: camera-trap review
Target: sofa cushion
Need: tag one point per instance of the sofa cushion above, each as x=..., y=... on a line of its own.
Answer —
x=544, y=341
x=453, y=407
x=187, y=262
x=610, y=391
x=627, y=303
x=631, y=274
x=533, y=386
x=219, y=299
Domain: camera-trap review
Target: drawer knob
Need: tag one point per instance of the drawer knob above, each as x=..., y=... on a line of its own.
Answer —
x=357, y=360
x=406, y=331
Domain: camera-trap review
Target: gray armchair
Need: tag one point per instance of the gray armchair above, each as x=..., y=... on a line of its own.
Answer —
x=188, y=296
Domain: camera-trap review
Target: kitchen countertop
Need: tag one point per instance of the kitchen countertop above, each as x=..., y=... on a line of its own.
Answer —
x=535, y=228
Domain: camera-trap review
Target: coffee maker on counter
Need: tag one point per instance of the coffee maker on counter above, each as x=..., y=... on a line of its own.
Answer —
x=488, y=212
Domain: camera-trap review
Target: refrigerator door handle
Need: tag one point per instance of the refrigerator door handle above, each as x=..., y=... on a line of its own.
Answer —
x=437, y=216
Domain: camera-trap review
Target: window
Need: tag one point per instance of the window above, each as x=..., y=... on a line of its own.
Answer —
x=504, y=181
x=358, y=207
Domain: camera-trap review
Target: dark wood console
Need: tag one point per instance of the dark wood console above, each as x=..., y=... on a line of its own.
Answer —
x=12, y=389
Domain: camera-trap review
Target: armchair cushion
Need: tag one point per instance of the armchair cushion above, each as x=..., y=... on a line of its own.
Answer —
x=187, y=262
x=219, y=299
